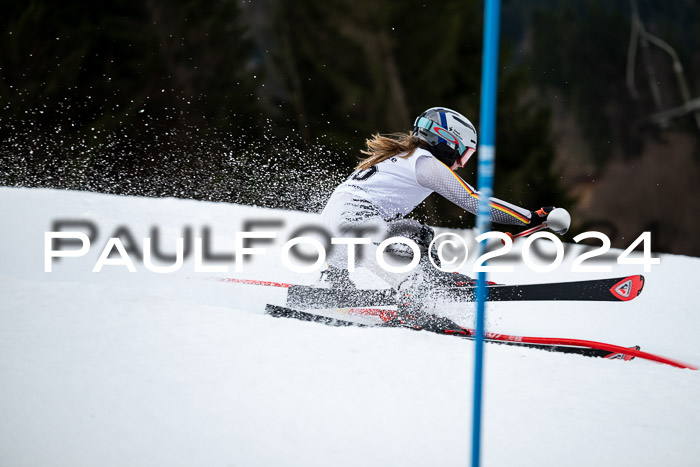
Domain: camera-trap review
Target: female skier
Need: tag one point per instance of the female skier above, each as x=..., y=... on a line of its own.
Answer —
x=401, y=170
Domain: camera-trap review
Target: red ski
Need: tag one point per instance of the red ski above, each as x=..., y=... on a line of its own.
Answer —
x=551, y=344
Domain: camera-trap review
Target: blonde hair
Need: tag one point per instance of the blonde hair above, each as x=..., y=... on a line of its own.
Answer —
x=382, y=147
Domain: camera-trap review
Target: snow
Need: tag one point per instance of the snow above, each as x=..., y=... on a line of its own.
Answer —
x=144, y=369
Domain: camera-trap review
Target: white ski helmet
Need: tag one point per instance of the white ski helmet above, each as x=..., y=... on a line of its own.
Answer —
x=450, y=136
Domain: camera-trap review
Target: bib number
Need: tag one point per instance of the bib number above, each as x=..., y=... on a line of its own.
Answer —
x=362, y=175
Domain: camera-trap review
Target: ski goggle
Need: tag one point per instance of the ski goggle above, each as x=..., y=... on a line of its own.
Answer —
x=464, y=152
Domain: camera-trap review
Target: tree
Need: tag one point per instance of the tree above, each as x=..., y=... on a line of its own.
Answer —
x=362, y=67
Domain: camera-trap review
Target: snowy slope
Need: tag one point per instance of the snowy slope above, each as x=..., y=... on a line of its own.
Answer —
x=142, y=369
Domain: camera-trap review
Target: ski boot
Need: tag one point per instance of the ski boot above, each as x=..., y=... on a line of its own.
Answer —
x=414, y=298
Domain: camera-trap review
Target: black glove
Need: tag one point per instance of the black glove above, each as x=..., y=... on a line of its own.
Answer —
x=539, y=216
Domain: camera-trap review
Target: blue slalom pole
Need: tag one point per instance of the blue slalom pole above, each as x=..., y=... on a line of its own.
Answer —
x=487, y=156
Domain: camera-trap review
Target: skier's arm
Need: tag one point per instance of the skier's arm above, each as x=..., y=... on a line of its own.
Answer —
x=436, y=176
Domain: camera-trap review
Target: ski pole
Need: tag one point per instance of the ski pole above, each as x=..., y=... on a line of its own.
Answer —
x=527, y=232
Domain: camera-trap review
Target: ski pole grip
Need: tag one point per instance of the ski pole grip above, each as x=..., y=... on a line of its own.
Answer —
x=559, y=220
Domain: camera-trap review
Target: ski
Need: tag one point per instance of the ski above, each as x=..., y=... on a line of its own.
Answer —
x=614, y=289
x=552, y=344
x=283, y=312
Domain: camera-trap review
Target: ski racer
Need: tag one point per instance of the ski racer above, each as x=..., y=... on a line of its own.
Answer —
x=401, y=170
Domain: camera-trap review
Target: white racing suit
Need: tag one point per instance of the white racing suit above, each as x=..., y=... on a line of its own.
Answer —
x=373, y=202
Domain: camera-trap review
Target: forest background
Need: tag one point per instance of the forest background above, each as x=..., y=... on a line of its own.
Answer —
x=268, y=102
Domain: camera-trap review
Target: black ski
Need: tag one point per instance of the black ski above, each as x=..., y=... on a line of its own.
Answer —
x=284, y=312
x=614, y=289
